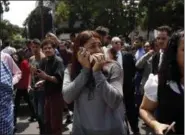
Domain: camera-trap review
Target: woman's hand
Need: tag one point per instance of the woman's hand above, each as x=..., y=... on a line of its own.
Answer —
x=99, y=62
x=159, y=128
x=83, y=58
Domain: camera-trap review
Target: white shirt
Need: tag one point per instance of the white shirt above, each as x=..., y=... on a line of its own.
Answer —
x=151, y=87
x=139, y=53
x=10, y=50
x=161, y=57
x=105, y=50
x=120, y=59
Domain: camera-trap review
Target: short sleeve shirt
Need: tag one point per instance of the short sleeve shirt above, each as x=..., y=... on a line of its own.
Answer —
x=151, y=87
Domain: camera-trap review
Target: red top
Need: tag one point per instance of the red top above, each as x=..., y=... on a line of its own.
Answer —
x=24, y=82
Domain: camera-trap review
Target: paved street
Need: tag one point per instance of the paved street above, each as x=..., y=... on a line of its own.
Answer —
x=25, y=127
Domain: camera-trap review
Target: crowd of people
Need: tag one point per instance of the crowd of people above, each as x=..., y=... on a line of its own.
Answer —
x=106, y=83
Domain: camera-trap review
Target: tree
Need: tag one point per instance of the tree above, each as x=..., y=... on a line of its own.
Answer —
x=113, y=14
x=62, y=12
x=154, y=13
x=8, y=30
x=35, y=25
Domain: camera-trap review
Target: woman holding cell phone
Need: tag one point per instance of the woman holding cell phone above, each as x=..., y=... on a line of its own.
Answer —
x=95, y=86
x=165, y=91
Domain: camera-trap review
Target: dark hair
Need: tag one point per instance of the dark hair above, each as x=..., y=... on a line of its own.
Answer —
x=72, y=35
x=114, y=53
x=48, y=41
x=109, y=37
x=152, y=43
x=165, y=28
x=36, y=42
x=28, y=42
x=169, y=70
x=102, y=31
x=140, y=38
x=20, y=55
x=81, y=39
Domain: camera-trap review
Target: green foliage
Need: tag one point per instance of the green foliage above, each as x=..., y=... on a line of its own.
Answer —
x=110, y=13
x=8, y=30
x=34, y=22
x=121, y=16
x=154, y=13
x=62, y=12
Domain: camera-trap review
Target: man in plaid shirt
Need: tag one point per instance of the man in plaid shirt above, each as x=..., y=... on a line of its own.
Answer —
x=10, y=74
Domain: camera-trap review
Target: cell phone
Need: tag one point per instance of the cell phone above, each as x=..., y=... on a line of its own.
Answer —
x=169, y=128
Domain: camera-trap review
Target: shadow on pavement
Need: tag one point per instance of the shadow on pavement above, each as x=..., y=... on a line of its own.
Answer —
x=22, y=126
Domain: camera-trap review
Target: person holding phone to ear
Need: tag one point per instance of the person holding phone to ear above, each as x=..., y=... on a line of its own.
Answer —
x=165, y=91
x=95, y=86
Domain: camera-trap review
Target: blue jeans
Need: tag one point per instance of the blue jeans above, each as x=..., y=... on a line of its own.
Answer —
x=38, y=100
x=38, y=103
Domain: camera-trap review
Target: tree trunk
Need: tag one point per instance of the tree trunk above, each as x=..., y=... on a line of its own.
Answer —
x=53, y=16
x=42, y=18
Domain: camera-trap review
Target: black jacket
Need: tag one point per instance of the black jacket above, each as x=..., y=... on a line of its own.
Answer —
x=129, y=90
x=53, y=67
x=155, y=63
x=129, y=70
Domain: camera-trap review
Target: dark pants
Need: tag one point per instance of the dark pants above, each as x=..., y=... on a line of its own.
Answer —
x=19, y=94
x=38, y=102
x=131, y=110
x=132, y=117
x=53, y=111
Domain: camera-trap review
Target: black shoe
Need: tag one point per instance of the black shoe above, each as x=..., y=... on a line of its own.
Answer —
x=68, y=120
x=32, y=119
